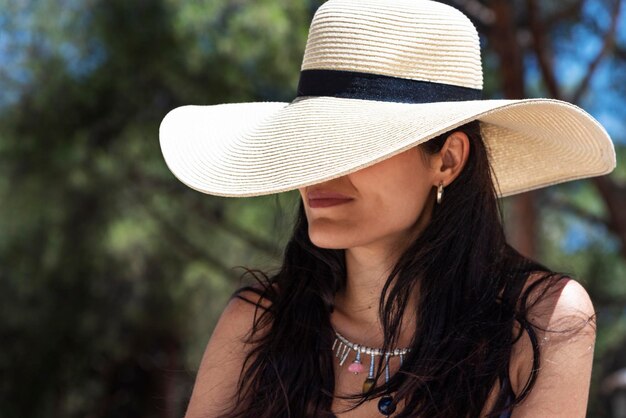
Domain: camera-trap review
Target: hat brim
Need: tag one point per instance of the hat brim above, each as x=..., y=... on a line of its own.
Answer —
x=253, y=149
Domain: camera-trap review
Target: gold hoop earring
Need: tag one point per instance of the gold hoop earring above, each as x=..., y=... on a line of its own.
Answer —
x=440, y=193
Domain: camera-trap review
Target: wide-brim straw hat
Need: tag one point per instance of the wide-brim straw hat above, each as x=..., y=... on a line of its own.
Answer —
x=379, y=77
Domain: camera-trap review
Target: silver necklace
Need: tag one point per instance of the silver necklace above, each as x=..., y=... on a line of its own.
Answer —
x=342, y=347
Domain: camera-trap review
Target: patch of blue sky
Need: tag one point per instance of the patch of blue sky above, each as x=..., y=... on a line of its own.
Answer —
x=574, y=55
x=22, y=42
x=573, y=49
x=81, y=62
x=581, y=235
x=81, y=52
x=607, y=103
x=5, y=45
x=598, y=11
x=614, y=125
x=621, y=27
x=13, y=73
x=9, y=97
x=575, y=239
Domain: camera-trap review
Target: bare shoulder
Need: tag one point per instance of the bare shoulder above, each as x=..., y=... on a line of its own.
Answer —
x=553, y=306
x=223, y=359
x=563, y=320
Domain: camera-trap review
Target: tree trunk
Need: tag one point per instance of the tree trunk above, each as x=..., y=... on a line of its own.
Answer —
x=522, y=219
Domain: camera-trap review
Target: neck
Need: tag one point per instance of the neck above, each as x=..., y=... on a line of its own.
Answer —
x=356, y=306
x=367, y=269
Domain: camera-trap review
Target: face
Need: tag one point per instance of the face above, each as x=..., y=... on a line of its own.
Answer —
x=386, y=204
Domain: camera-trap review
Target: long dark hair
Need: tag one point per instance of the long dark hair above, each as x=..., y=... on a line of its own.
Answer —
x=471, y=293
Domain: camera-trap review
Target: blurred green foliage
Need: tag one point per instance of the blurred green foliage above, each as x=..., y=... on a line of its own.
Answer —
x=112, y=273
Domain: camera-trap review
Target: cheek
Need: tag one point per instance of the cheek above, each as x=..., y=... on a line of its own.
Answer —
x=399, y=208
x=397, y=198
x=398, y=194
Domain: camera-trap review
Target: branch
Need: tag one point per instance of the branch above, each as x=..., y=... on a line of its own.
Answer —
x=238, y=231
x=182, y=244
x=538, y=31
x=479, y=13
x=571, y=12
x=614, y=196
x=619, y=52
x=609, y=39
x=231, y=228
x=503, y=37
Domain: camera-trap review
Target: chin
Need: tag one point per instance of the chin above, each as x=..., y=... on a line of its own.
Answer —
x=330, y=241
x=329, y=244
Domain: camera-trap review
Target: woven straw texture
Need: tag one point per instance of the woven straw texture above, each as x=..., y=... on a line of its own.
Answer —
x=390, y=37
x=250, y=149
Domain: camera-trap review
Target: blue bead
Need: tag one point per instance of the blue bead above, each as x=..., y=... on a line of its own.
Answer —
x=386, y=405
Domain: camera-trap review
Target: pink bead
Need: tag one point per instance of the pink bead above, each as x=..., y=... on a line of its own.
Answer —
x=356, y=368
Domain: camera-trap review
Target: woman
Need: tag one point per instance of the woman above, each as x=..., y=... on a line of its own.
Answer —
x=398, y=295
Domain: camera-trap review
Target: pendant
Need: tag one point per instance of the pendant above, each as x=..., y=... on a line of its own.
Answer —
x=386, y=405
x=368, y=385
x=356, y=367
x=370, y=381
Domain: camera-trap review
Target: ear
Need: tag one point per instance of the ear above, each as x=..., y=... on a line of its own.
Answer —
x=452, y=157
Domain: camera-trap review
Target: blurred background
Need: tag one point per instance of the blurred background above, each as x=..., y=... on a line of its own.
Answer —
x=112, y=274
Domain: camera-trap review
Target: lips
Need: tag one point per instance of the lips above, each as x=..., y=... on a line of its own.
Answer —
x=325, y=199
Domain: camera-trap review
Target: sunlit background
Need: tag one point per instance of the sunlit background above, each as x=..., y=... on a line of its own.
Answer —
x=112, y=274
